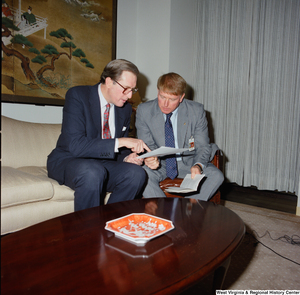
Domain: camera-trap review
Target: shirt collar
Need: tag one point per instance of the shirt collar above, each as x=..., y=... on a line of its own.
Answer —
x=174, y=116
x=103, y=101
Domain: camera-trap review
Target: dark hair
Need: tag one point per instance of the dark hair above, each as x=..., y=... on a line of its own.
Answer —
x=116, y=67
x=171, y=83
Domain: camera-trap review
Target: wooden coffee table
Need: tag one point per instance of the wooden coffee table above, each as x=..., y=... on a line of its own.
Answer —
x=74, y=254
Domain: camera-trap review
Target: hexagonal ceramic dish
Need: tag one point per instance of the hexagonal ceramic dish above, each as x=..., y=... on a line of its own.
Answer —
x=139, y=228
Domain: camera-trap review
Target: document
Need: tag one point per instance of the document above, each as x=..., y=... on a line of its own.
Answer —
x=188, y=184
x=162, y=151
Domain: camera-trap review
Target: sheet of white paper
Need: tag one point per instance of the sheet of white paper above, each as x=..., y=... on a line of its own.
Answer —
x=162, y=151
x=188, y=184
x=179, y=190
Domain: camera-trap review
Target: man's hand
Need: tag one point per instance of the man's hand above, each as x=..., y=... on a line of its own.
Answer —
x=136, y=145
x=195, y=170
x=132, y=158
x=152, y=162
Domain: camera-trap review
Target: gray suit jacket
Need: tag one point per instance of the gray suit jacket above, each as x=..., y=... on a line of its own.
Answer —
x=191, y=122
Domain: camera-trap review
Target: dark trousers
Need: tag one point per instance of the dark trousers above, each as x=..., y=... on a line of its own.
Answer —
x=91, y=178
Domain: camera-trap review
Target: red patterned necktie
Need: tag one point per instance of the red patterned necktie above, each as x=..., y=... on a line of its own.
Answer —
x=106, y=132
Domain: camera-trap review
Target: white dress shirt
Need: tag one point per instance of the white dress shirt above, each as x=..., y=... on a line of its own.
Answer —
x=111, y=119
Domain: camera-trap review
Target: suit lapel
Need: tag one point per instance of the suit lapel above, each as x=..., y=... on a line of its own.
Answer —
x=158, y=121
x=95, y=107
x=182, y=124
x=119, y=121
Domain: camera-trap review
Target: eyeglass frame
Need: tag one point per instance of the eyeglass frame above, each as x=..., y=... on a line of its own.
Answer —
x=133, y=90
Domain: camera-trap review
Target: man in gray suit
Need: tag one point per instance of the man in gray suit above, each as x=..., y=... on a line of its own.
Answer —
x=189, y=124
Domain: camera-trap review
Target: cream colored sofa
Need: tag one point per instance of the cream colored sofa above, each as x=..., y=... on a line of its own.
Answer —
x=28, y=196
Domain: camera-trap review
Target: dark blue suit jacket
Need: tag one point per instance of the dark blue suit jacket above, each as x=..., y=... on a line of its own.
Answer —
x=81, y=134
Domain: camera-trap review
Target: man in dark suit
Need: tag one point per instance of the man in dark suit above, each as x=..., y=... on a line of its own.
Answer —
x=93, y=154
x=189, y=130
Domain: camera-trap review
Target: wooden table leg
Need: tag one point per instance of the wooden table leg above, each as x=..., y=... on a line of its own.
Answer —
x=219, y=275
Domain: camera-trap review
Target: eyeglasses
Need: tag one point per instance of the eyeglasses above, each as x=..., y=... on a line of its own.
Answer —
x=127, y=89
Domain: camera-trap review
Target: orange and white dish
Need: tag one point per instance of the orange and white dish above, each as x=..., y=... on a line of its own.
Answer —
x=139, y=228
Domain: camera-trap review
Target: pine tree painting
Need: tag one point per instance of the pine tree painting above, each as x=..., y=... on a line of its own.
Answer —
x=50, y=46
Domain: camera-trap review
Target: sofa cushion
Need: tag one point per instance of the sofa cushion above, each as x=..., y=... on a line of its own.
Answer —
x=27, y=144
x=60, y=192
x=18, y=187
x=18, y=217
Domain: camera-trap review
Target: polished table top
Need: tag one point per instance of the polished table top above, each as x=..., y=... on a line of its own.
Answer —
x=74, y=254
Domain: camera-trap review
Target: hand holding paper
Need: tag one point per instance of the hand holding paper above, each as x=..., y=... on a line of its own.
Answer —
x=163, y=151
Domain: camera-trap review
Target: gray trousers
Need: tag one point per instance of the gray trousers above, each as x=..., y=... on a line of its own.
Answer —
x=207, y=187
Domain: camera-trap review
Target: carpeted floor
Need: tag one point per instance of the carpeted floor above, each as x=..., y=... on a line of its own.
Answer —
x=255, y=265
